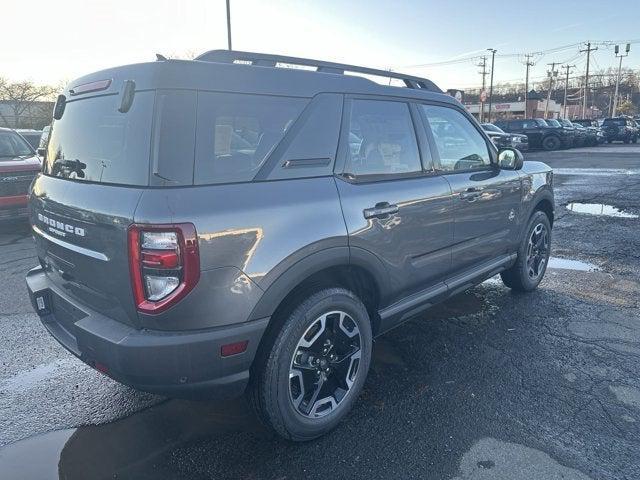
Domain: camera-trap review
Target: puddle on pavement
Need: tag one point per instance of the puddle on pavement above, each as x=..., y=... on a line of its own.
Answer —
x=568, y=264
x=599, y=209
x=129, y=448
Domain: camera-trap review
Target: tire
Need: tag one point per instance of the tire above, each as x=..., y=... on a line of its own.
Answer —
x=551, y=143
x=519, y=277
x=609, y=141
x=274, y=391
x=627, y=140
x=635, y=140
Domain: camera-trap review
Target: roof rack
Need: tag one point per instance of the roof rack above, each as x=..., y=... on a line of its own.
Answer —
x=268, y=60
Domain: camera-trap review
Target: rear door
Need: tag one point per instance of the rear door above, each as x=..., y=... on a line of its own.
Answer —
x=393, y=203
x=96, y=167
x=486, y=198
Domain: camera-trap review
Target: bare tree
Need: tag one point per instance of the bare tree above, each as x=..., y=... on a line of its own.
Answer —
x=22, y=96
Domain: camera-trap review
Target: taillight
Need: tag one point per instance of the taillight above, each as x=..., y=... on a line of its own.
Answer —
x=165, y=264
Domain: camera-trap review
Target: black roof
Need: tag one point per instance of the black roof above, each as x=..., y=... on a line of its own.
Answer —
x=216, y=70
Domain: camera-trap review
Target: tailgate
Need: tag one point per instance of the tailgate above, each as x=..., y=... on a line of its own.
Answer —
x=80, y=231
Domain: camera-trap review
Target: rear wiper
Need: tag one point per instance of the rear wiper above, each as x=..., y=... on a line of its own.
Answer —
x=73, y=165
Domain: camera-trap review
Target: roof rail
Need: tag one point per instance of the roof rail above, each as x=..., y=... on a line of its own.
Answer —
x=268, y=60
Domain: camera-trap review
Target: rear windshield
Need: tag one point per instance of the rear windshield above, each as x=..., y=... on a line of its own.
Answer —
x=94, y=142
x=541, y=123
x=552, y=123
x=13, y=145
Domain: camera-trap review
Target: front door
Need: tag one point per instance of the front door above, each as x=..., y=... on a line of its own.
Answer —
x=486, y=199
x=393, y=203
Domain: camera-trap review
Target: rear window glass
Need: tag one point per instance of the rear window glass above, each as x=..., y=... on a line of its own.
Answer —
x=94, y=142
x=236, y=133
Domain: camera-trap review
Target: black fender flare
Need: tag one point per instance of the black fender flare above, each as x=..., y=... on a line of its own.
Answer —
x=297, y=273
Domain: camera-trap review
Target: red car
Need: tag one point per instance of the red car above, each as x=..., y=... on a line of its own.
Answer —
x=19, y=164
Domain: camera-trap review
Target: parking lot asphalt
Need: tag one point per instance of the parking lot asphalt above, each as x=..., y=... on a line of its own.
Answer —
x=489, y=385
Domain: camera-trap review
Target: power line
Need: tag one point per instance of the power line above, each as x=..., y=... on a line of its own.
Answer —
x=539, y=53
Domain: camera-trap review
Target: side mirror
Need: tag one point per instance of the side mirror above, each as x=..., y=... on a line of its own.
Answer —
x=41, y=152
x=510, y=159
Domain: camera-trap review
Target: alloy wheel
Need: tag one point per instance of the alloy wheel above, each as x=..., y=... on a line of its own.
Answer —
x=537, y=251
x=325, y=364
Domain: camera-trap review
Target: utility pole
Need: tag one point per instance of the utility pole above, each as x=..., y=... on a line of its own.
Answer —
x=586, y=78
x=528, y=63
x=228, y=25
x=552, y=73
x=566, y=84
x=493, y=57
x=483, y=64
x=621, y=56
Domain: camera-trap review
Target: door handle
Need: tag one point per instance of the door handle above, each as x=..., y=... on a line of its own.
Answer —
x=381, y=210
x=470, y=194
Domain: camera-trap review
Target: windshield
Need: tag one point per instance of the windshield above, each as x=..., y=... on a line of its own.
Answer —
x=541, y=122
x=490, y=127
x=13, y=145
x=94, y=142
x=32, y=137
x=566, y=123
x=621, y=122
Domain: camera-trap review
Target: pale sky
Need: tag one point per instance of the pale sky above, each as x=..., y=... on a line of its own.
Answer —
x=49, y=41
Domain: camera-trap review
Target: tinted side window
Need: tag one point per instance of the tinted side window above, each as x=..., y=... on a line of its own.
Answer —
x=236, y=133
x=459, y=144
x=516, y=125
x=381, y=138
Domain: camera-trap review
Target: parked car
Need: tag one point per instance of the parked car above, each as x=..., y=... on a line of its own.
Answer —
x=620, y=129
x=573, y=139
x=593, y=126
x=18, y=167
x=31, y=136
x=502, y=139
x=589, y=136
x=540, y=135
x=179, y=261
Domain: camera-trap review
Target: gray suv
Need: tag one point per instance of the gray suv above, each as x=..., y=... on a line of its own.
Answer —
x=226, y=225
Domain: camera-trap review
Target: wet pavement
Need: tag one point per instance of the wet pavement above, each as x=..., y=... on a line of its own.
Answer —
x=489, y=385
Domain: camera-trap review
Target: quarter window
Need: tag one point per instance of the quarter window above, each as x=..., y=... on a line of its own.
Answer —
x=381, y=139
x=236, y=133
x=459, y=144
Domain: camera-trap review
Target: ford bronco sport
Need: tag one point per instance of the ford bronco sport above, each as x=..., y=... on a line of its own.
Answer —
x=210, y=227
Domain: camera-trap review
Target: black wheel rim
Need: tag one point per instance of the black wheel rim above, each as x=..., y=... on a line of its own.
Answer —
x=537, y=251
x=324, y=365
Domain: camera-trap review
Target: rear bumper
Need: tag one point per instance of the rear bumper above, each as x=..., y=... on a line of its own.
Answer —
x=177, y=364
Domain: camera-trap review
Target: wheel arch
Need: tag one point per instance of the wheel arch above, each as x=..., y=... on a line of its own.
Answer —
x=357, y=270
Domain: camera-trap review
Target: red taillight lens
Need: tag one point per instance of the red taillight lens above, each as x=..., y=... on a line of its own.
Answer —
x=165, y=264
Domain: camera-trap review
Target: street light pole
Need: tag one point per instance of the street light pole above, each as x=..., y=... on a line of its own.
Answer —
x=228, y=25
x=493, y=57
x=615, y=95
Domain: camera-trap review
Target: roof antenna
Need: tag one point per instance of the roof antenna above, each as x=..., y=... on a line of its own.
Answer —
x=160, y=57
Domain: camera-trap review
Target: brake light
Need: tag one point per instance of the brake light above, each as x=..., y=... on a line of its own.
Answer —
x=164, y=262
